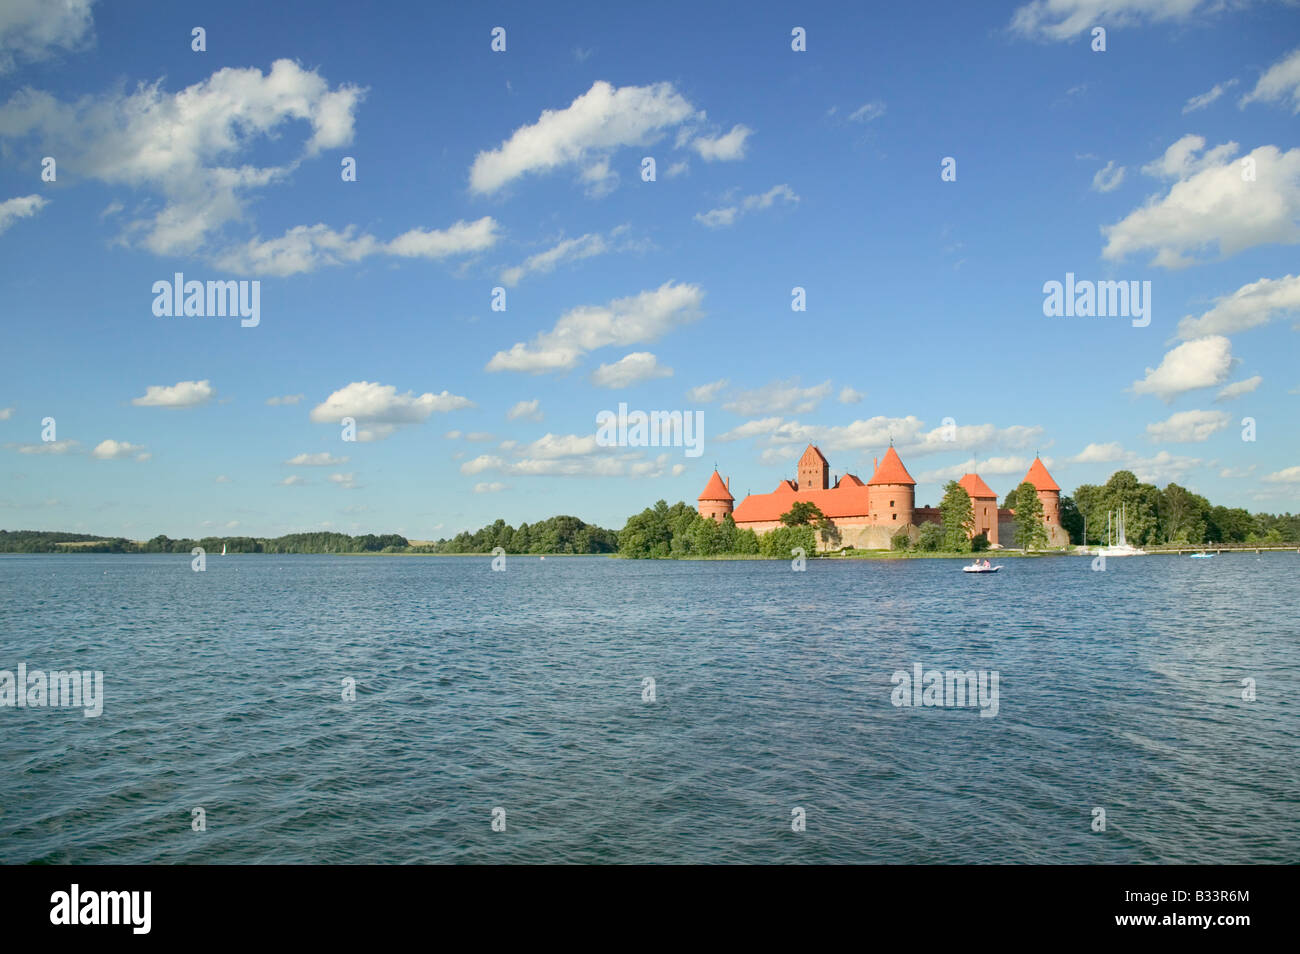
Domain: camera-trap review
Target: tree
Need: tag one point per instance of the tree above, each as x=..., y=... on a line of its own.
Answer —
x=1182, y=515
x=930, y=537
x=902, y=540
x=957, y=517
x=1071, y=519
x=801, y=513
x=1031, y=534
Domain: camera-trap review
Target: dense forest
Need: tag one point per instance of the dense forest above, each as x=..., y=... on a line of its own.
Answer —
x=561, y=534
x=41, y=541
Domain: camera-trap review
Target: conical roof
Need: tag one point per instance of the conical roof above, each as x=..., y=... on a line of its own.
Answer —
x=891, y=470
x=716, y=489
x=974, y=486
x=1039, y=477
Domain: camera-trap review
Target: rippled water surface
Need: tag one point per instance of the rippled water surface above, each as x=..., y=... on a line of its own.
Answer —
x=523, y=690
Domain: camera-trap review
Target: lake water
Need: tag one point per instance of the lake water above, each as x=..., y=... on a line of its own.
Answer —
x=523, y=690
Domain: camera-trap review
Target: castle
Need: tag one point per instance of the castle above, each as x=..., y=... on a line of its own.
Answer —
x=867, y=515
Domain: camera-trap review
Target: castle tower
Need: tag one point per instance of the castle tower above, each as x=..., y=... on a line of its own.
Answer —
x=984, y=506
x=893, y=492
x=1049, y=495
x=716, y=500
x=814, y=471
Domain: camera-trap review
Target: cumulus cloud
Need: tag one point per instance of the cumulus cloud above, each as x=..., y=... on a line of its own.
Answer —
x=323, y=459
x=6, y=413
x=1061, y=20
x=180, y=394
x=850, y=396
x=31, y=30
x=1099, y=454
x=46, y=447
x=381, y=409
x=285, y=399
x=630, y=369
x=1108, y=178
x=624, y=321
x=1249, y=306
x=117, y=450
x=346, y=481
x=526, y=410
x=1211, y=204
x=1288, y=475
x=191, y=147
x=778, y=397
x=1205, y=99
x=1201, y=363
x=583, y=134
x=1187, y=427
x=991, y=467
x=1279, y=84
x=1238, y=388
x=728, y=215
x=293, y=480
x=568, y=250
x=867, y=112
x=20, y=207
x=493, y=487
x=728, y=147
x=707, y=393
x=305, y=248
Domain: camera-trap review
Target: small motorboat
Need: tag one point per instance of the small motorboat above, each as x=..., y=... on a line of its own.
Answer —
x=1202, y=556
x=980, y=568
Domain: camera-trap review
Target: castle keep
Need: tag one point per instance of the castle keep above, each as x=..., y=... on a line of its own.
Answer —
x=868, y=515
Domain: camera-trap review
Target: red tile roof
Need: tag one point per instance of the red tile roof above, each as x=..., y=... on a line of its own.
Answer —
x=715, y=489
x=975, y=487
x=813, y=449
x=891, y=470
x=1039, y=477
x=846, y=500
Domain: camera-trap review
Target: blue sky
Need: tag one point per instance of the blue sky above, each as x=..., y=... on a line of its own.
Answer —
x=522, y=170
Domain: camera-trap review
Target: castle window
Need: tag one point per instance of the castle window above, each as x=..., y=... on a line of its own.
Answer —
x=891, y=503
x=895, y=516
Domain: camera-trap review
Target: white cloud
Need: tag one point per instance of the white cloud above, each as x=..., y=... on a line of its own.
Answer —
x=322, y=459
x=727, y=216
x=624, y=321
x=630, y=369
x=568, y=250
x=867, y=112
x=187, y=146
x=1062, y=20
x=222, y=479
x=1205, y=99
x=382, y=408
x=1237, y=388
x=850, y=396
x=305, y=248
x=31, y=30
x=116, y=450
x=1248, y=307
x=778, y=397
x=1280, y=82
x=494, y=487
x=20, y=207
x=346, y=481
x=676, y=169
x=6, y=413
x=1201, y=363
x=583, y=134
x=46, y=447
x=285, y=399
x=1188, y=427
x=293, y=480
x=528, y=410
x=1211, y=204
x=1108, y=178
x=706, y=393
x=724, y=148
x=990, y=467
x=1288, y=475
x=180, y=394
x=1099, y=454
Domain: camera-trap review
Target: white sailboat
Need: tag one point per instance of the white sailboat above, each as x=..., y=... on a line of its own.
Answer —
x=1117, y=544
x=223, y=549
